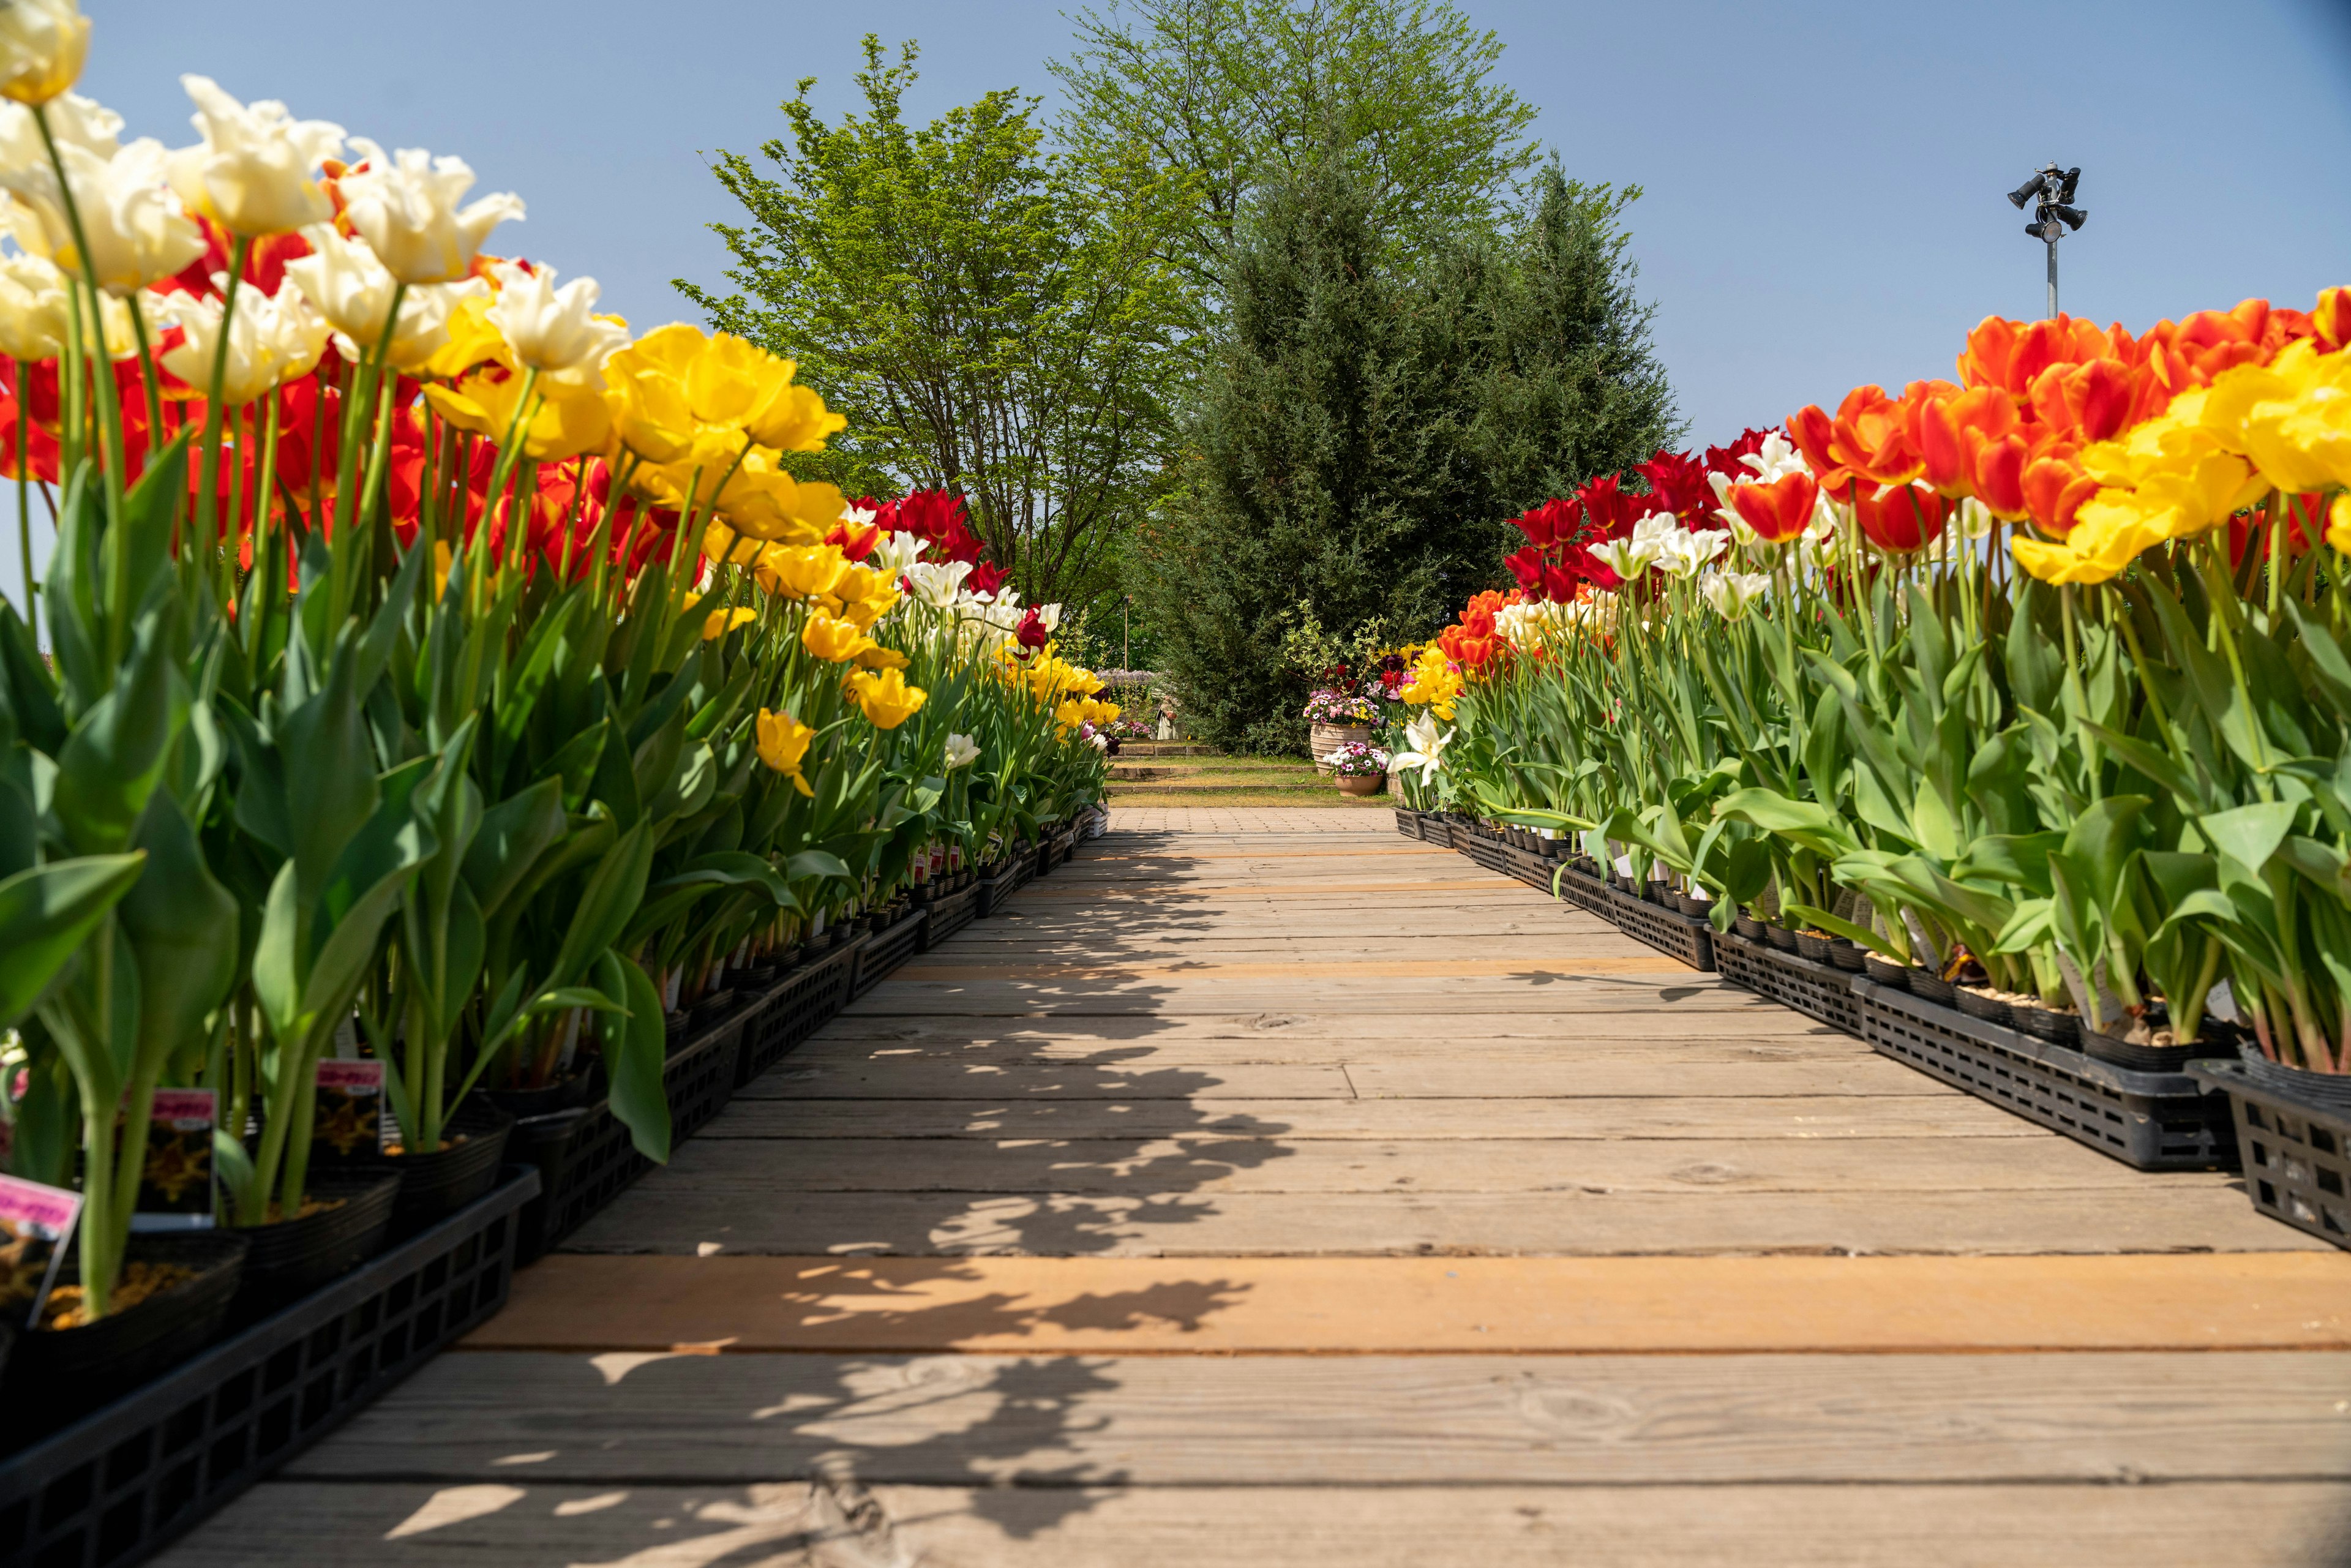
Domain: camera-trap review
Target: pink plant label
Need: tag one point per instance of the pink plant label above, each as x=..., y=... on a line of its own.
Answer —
x=175, y=1183
x=349, y=1126
x=35, y=1221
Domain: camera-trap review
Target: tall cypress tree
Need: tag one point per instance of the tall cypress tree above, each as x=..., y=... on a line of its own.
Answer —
x=1366, y=434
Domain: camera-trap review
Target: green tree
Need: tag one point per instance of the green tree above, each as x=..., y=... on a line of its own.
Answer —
x=1229, y=94
x=1368, y=427
x=991, y=317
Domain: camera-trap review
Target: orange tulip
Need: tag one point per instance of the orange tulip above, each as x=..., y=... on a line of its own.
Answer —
x=1948, y=429
x=1900, y=518
x=1868, y=440
x=2330, y=319
x=1998, y=466
x=2012, y=355
x=1777, y=511
x=2054, y=488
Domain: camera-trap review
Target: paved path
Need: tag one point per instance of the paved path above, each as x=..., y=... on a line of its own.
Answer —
x=1265, y=1189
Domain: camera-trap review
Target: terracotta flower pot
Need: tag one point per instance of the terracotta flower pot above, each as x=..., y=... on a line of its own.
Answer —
x=1363, y=784
x=1326, y=738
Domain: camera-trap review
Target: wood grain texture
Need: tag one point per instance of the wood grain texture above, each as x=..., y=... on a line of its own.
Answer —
x=842, y=1523
x=1355, y=1420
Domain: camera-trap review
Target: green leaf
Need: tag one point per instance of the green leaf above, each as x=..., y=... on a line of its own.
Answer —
x=2249, y=835
x=47, y=913
x=635, y=1054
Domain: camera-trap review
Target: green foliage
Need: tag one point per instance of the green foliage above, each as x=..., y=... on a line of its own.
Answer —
x=991, y=317
x=1367, y=429
x=1234, y=95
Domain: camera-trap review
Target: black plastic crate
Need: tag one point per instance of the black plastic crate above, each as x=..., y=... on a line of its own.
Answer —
x=1435, y=829
x=950, y=913
x=2296, y=1156
x=2153, y=1121
x=1525, y=865
x=1669, y=931
x=1407, y=822
x=1009, y=876
x=1589, y=893
x=586, y=1158
x=801, y=1003
x=884, y=951
x=1484, y=848
x=119, y=1485
x=1817, y=991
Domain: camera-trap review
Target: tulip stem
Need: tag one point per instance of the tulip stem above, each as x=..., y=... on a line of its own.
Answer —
x=150, y=379
x=207, y=492
x=25, y=499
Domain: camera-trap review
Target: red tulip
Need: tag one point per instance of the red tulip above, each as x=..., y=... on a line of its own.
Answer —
x=1900, y=518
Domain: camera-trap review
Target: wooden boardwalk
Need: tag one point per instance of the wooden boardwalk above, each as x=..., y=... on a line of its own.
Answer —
x=1275, y=1191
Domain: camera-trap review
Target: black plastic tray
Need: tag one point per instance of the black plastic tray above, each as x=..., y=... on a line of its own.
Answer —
x=801, y=1003
x=1485, y=849
x=2296, y=1156
x=1817, y=991
x=949, y=915
x=2152, y=1120
x=1010, y=876
x=586, y=1158
x=119, y=1485
x=1407, y=822
x=886, y=950
x=1669, y=931
x=1435, y=829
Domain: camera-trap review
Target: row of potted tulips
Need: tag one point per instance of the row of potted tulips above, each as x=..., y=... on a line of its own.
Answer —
x=428, y=678
x=2033, y=683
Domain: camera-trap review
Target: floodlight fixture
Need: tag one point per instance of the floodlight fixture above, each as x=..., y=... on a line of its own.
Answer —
x=2051, y=190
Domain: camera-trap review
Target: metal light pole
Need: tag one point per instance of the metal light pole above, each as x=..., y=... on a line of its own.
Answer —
x=2051, y=190
x=1126, y=653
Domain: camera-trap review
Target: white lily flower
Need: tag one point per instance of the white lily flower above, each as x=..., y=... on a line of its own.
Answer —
x=272, y=339
x=962, y=751
x=1428, y=746
x=935, y=582
x=256, y=170
x=1732, y=594
x=406, y=206
x=137, y=231
x=551, y=328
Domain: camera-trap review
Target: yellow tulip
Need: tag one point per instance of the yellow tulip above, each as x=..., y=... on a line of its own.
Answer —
x=874, y=656
x=2338, y=523
x=783, y=744
x=769, y=504
x=721, y=621
x=724, y=545
x=732, y=379
x=473, y=340
x=835, y=641
x=42, y=45
x=803, y=571
x=645, y=389
x=795, y=420
x=568, y=419
x=886, y=698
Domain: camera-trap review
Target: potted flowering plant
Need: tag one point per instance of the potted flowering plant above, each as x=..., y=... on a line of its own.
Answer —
x=1336, y=716
x=1359, y=766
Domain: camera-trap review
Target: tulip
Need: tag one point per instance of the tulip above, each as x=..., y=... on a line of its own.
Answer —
x=718, y=622
x=874, y=656
x=767, y=503
x=2054, y=488
x=2338, y=523
x=74, y=122
x=1731, y=593
x=795, y=420
x=564, y=419
x=935, y=583
x=803, y=571
x=255, y=171
x=34, y=307
x=552, y=329
x=41, y=45
x=783, y=743
x=136, y=230
x=272, y=339
x=1777, y=511
x=405, y=207
x=834, y=640
x=962, y=751
x=1900, y=518
x=886, y=698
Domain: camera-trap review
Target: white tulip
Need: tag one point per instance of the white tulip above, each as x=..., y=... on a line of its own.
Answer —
x=895, y=552
x=344, y=283
x=1732, y=594
x=962, y=751
x=256, y=170
x=1682, y=553
x=552, y=329
x=272, y=339
x=137, y=229
x=42, y=45
x=74, y=122
x=1628, y=559
x=1777, y=459
x=935, y=582
x=406, y=206
x=33, y=309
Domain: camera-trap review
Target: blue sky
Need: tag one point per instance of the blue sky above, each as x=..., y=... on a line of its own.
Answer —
x=1824, y=181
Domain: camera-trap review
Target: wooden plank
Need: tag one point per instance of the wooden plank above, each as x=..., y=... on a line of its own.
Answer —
x=1170, y=1077
x=1384, y=1035
x=1723, y=1043
x=680, y=1217
x=1543, y=992
x=842, y=1523
x=757, y=1113
x=1355, y=1420
x=1488, y=1306
x=1127, y=1167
